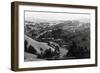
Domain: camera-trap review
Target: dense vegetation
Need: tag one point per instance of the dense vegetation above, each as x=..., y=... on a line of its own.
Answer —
x=73, y=37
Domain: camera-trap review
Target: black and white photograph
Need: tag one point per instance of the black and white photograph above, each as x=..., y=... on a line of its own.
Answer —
x=53, y=36
x=56, y=35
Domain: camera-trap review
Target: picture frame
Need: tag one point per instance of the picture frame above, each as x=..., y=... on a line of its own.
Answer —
x=52, y=36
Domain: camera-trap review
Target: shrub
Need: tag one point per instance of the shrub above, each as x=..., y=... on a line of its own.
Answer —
x=48, y=53
x=32, y=50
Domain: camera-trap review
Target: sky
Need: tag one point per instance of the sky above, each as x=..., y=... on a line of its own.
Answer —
x=35, y=16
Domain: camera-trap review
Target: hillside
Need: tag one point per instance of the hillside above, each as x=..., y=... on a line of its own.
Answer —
x=63, y=33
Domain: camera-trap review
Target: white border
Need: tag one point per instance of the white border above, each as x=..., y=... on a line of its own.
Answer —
x=33, y=64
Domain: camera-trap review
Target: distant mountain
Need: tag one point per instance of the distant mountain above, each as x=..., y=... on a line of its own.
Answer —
x=45, y=21
x=63, y=28
x=71, y=25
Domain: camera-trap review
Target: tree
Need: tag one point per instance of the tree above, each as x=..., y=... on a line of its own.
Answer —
x=72, y=50
x=48, y=53
x=78, y=52
x=32, y=50
x=25, y=45
x=57, y=33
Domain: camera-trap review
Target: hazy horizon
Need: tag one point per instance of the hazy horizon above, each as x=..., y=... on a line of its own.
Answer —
x=46, y=16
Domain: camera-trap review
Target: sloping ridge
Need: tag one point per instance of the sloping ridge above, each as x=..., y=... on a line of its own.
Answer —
x=37, y=45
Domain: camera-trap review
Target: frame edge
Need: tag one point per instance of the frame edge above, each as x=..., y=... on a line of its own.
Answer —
x=14, y=36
